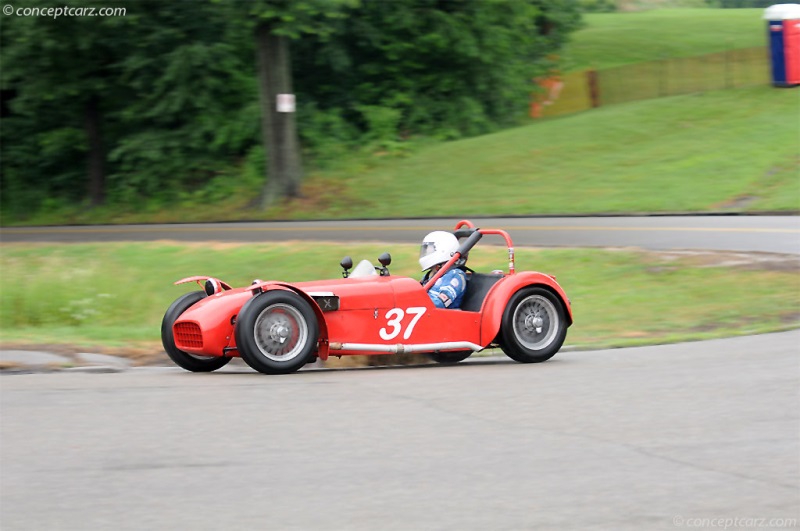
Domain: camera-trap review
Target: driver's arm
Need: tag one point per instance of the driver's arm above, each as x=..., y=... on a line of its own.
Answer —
x=448, y=291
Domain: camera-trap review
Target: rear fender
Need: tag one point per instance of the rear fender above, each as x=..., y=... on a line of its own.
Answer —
x=497, y=300
x=322, y=350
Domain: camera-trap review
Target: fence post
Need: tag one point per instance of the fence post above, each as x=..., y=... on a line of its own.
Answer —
x=594, y=88
x=728, y=79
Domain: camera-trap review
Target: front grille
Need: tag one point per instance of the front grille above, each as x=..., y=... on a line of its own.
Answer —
x=187, y=335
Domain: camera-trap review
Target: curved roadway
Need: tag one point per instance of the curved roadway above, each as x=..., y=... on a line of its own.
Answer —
x=630, y=439
x=694, y=435
x=777, y=234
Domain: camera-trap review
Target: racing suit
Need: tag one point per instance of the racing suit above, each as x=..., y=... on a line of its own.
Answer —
x=448, y=291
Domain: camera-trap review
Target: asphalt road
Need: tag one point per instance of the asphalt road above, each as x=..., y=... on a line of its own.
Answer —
x=696, y=435
x=663, y=437
x=777, y=234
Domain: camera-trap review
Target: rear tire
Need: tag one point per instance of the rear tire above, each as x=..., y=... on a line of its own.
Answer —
x=277, y=332
x=449, y=358
x=183, y=359
x=534, y=326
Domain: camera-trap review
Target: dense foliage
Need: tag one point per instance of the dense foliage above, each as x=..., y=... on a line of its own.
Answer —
x=133, y=108
x=736, y=4
x=610, y=6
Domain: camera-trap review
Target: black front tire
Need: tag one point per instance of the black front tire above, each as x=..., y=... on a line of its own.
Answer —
x=534, y=326
x=181, y=358
x=277, y=332
x=449, y=358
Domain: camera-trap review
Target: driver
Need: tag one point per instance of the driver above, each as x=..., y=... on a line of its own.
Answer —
x=436, y=249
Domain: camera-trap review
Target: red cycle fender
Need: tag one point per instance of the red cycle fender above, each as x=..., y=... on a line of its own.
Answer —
x=497, y=300
x=200, y=279
x=322, y=349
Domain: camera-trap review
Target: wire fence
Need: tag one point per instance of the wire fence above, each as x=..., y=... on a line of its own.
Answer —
x=579, y=91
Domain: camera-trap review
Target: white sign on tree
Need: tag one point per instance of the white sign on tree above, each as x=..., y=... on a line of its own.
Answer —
x=286, y=103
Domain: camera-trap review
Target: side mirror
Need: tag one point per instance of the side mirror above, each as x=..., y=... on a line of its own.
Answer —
x=346, y=263
x=385, y=259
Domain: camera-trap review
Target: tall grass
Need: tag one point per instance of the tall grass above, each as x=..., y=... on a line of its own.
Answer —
x=115, y=294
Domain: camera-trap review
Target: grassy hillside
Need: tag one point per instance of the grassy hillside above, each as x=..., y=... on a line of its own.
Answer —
x=614, y=39
x=723, y=151
x=726, y=151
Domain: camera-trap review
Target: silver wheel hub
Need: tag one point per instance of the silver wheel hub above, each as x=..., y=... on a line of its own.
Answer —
x=535, y=322
x=280, y=332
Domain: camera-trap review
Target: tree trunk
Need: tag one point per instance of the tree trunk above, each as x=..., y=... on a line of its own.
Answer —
x=96, y=156
x=279, y=130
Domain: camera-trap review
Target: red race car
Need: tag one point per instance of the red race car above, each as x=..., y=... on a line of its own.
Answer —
x=277, y=327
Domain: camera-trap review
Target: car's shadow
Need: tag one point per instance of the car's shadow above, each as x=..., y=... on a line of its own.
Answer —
x=239, y=367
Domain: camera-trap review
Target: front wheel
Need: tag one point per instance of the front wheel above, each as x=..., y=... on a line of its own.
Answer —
x=534, y=326
x=276, y=332
x=183, y=359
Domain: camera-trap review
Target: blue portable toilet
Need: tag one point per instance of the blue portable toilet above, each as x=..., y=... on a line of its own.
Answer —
x=783, y=28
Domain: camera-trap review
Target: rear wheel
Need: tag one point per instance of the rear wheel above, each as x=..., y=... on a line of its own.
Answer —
x=277, y=332
x=183, y=359
x=450, y=357
x=534, y=326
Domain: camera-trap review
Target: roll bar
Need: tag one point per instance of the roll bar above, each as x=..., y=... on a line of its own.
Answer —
x=473, y=235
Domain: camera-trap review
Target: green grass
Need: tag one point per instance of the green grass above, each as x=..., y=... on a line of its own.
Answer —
x=615, y=39
x=690, y=153
x=724, y=151
x=114, y=295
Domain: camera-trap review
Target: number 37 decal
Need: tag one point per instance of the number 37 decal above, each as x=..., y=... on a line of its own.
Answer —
x=394, y=322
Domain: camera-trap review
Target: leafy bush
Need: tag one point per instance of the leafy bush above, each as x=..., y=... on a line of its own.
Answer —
x=598, y=6
x=325, y=134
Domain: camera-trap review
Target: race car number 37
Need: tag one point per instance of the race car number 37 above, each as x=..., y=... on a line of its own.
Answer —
x=394, y=322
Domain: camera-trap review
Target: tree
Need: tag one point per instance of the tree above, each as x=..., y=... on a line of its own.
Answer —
x=162, y=105
x=153, y=101
x=451, y=68
x=277, y=23
x=188, y=106
x=60, y=70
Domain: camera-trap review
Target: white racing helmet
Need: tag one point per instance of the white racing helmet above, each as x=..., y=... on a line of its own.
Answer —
x=437, y=248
